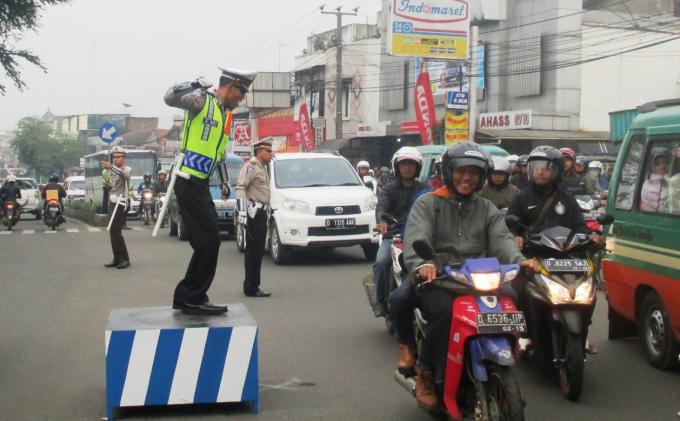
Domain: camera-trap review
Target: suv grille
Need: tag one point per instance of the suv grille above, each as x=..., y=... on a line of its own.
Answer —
x=331, y=210
x=323, y=232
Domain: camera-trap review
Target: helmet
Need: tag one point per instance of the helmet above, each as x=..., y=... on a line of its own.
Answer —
x=384, y=169
x=546, y=155
x=118, y=150
x=580, y=160
x=512, y=159
x=147, y=175
x=464, y=154
x=371, y=172
x=11, y=178
x=595, y=165
x=523, y=160
x=363, y=164
x=500, y=164
x=567, y=153
x=162, y=172
x=54, y=178
x=407, y=153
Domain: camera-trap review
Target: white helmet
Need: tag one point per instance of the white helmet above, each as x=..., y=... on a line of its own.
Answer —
x=500, y=164
x=407, y=153
x=363, y=164
x=11, y=178
x=118, y=150
x=595, y=165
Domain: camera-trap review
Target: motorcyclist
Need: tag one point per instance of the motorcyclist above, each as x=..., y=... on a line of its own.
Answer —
x=498, y=188
x=545, y=169
x=161, y=184
x=436, y=180
x=457, y=224
x=591, y=178
x=385, y=176
x=362, y=168
x=571, y=180
x=61, y=193
x=10, y=191
x=519, y=179
x=395, y=199
x=144, y=185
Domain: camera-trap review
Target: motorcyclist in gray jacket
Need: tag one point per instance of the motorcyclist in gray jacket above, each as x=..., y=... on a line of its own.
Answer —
x=459, y=225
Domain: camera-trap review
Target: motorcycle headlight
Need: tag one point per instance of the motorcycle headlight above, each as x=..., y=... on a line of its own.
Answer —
x=147, y=196
x=510, y=275
x=584, y=292
x=295, y=205
x=486, y=281
x=558, y=292
x=370, y=203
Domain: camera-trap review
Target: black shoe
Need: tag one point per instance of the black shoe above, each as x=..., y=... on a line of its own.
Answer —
x=205, y=309
x=259, y=293
x=112, y=264
x=123, y=265
x=380, y=310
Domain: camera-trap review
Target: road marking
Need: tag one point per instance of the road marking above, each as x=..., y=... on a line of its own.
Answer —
x=72, y=230
x=28, y=231
x=93, y=229
x=50, y=232
x=6, y=232
x=138, y=229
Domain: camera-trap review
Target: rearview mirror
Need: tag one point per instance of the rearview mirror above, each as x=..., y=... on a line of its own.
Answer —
x=604, y=219
x=423, y=249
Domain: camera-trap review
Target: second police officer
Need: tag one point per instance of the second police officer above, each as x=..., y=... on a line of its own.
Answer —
x=203, y=143
x=252, y=192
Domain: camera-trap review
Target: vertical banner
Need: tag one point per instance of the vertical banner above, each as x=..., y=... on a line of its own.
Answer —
x=456, y=126
x=424, y=103
x=242, y=132
x=306, y=133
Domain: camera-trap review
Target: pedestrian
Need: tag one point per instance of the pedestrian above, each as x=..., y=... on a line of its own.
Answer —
x=119, y=176
x=208, y=112
x=252, y=191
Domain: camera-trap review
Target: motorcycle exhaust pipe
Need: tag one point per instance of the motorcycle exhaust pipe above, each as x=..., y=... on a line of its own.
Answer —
x=408, y=383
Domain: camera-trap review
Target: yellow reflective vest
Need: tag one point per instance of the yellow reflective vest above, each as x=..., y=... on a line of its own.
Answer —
x=203, y=138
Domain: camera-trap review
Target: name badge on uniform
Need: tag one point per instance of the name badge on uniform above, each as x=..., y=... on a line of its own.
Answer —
x=559, y=208
x=249, y=169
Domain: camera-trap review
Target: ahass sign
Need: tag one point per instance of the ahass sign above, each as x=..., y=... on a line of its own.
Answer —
x=429, y=28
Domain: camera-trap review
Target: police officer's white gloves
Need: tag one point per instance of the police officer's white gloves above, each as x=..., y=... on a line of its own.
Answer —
x=242, y=218
x=226, y=191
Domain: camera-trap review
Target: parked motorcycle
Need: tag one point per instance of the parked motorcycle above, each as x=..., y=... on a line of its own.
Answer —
x=560, y=300
x=147, y=206
x=158, y=204
x=53, y=216
x=11, y=213
x=478, y=381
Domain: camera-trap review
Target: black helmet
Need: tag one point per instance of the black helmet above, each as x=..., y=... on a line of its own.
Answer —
x=464, y=154
x=542, y=154
x=54, y=178
x=147, y=175
x=523, y=160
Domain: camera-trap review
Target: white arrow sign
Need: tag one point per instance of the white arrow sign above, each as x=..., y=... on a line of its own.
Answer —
x=109, y=133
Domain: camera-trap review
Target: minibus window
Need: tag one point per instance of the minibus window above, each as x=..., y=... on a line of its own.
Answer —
x=660, y=192
x=630, y=171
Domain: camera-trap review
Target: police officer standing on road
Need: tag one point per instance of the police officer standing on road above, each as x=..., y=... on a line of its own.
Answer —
x=252, y=191
x=203, y=144
x=119, y=176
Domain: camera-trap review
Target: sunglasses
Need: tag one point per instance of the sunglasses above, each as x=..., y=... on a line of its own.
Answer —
x=242, y=89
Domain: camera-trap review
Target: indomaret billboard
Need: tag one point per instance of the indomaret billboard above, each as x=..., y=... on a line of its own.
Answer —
x=429, y=28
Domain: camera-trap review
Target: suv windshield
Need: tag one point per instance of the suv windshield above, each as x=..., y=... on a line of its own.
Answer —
x=292, y=173
x=76, y=185
x=27, y=184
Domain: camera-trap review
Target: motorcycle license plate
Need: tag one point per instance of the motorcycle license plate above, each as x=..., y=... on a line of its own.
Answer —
x=225, y=214
x=341, y=224
x=490, y=323
x=590, y=216
x=566, y=265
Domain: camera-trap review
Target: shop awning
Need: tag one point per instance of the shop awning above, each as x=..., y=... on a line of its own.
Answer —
x=530, y=134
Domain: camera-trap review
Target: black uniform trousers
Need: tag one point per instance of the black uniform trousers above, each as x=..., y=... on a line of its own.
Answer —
x=256, y=235
x=199, y=221
x=120, y=253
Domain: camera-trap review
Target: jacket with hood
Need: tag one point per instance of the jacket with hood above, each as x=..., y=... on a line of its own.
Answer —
x=499, y=196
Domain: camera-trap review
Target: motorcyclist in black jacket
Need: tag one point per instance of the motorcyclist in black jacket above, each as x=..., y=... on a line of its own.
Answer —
x=161, y=184
x=10, y=191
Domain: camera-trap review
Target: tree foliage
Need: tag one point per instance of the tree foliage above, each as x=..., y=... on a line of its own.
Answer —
x=43, y=151
x=16, y=17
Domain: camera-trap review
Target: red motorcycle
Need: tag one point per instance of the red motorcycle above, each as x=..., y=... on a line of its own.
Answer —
x=478, y=381
x=11, y=213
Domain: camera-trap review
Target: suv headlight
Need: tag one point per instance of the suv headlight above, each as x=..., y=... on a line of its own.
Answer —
x=370, y=203
x=486, y=281
x=295, y=205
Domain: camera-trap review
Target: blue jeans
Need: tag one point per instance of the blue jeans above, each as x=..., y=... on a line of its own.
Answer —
x=402, y=304
x=381, y=271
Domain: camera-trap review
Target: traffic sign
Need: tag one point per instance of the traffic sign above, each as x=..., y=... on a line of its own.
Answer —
x=459, y=100
x=108, y=132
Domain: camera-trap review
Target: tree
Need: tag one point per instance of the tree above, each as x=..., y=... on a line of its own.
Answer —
x=16, y=17
x=43, y=151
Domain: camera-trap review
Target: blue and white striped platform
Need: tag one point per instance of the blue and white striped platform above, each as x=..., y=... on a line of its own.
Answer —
x=157, y=356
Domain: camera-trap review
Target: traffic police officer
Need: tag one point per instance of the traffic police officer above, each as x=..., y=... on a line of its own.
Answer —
x=252, y=192
x=207, y=114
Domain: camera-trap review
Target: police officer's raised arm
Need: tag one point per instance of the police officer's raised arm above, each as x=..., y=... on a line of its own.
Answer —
x=187, y=96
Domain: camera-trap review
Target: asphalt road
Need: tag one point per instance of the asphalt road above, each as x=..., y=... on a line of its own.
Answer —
x=322, y=354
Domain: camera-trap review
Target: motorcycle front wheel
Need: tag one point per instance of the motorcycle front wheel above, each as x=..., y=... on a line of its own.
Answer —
x=571, y=366
x=504, y=399
x=146, y=216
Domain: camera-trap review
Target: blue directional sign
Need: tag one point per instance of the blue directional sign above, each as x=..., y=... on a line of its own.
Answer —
x=459, y=100
x=108, y=132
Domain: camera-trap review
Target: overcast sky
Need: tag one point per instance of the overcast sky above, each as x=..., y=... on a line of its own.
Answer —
x=101, y=53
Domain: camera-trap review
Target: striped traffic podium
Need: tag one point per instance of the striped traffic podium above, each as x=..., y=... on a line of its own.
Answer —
x=157, y=356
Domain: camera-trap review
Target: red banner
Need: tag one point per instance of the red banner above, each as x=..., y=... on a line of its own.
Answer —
x=424, y=103
x=306, y=132
x=242, y=132
x=410, y=127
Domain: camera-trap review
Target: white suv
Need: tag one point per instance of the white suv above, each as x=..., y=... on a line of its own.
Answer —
x=31, y=202
x=318, y=200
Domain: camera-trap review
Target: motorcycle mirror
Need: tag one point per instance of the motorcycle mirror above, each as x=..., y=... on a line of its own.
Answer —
x=423, y=249
x=390, y=217
x=604, y=219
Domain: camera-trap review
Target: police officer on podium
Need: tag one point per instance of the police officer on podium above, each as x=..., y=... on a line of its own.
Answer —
x=207, y=113
x=252, y=192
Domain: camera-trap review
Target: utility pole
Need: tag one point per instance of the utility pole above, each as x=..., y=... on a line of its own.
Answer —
x=474, y=57
x=338, y=64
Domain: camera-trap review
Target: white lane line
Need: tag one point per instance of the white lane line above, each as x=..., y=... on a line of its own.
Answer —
x=72, y=230
x=50, y=232
x=138, y=229
x=93, y=229
x=28, y=231
x=5, y=232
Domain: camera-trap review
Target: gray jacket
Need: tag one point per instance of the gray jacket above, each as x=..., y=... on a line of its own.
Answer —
x=459, y=229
